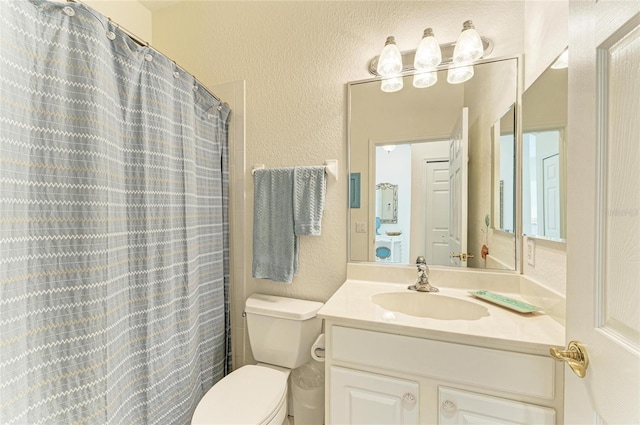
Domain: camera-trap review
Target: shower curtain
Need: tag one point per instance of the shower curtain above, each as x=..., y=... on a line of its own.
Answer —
x=114, y=231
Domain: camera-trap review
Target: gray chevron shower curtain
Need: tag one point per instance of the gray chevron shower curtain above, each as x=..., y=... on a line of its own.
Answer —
x=114, y=254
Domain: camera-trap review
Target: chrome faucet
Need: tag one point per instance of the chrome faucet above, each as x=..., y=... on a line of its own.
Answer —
x=422, y=284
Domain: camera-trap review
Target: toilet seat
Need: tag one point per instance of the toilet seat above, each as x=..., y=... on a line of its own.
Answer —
x=249, y=395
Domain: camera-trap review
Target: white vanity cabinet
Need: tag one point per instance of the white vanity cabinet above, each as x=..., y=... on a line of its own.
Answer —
x=368, y=398
x=377, y=377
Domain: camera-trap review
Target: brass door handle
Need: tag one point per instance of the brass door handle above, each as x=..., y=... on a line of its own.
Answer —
x=576, y=356
x=462, y=256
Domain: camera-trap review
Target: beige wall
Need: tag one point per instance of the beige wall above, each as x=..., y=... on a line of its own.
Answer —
x=546, y=34
x=130, y=14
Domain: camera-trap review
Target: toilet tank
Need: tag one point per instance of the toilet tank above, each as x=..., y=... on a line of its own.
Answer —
x=282, y=330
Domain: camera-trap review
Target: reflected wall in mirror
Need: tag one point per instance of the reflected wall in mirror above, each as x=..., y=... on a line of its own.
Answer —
x=421, y=124
x=544, y=122
x=503, y=168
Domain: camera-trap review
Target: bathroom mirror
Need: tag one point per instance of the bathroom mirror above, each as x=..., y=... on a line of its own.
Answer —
x=503, y=172
x=544, y=124
x=387, y=203
x=406, y=138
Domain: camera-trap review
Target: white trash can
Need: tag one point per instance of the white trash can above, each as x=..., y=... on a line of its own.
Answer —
x=307, y=384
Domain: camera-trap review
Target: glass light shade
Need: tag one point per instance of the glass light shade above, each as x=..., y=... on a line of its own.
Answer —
x=428, y=55
x=562, y=61
x=391, y=85
x=390, y=60
x=459, y=74
x=469, y=46
x=388, y=148
x=422, y=80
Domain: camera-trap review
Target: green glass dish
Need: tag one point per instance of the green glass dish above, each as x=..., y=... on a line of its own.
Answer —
x=504, y=301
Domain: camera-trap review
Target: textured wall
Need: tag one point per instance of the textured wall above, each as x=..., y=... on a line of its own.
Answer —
x=550, y=268
x=546, y=34
x=296, y=58
x=130, y=14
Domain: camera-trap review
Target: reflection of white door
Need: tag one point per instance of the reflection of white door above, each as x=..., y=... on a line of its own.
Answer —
x=551, y=188
x=603, y=211
x=436, y=212
x=458, y=170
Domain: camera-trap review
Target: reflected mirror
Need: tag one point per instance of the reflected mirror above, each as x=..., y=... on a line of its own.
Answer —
x=544, y=122
x=503, y=173
x=435, y=145
x=387, y=202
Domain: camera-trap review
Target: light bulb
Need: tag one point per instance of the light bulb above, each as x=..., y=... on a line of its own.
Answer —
x=422, y=80
x=391, y=85
x=469, y=46
x=459, y=74
x=428, y=55
x=390, y=60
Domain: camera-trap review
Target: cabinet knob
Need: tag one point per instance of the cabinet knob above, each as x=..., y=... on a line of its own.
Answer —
x=409, y=400
x=449, y=407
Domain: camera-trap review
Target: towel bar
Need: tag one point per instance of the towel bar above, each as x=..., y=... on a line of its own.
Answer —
x=330, y=166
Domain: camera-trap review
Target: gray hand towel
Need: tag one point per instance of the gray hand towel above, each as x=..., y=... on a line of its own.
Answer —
x=308, y=199
x=274, y=242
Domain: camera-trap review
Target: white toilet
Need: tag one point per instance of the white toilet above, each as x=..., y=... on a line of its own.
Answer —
x=281, y=332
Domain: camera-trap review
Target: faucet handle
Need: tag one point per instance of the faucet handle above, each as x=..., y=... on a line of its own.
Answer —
x=421, y=260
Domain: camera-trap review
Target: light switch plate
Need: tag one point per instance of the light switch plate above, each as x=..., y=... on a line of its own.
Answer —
x=360, y=227
x=531, y=252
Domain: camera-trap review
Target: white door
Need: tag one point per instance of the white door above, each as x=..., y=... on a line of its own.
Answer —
x=603, y=215
x=436, y=212
x=367, y=398
x=551, y=199
x=458, y=188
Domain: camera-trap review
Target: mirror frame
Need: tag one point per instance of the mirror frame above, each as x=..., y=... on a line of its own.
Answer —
x=517, y=235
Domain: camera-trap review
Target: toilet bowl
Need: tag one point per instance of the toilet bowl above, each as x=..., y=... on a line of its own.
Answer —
x=281, y=331
x=250, y=395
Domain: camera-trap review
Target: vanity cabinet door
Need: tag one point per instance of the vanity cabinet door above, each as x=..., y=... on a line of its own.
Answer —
x=366, y=398
x=463, y=407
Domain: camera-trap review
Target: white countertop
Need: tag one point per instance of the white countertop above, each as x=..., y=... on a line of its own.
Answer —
x=351, y=305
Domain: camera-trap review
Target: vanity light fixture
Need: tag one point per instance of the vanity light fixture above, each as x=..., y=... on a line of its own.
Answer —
x=428, y=57
x=457, y=74
x=390, y=61
x=469, y=46
x=425, y=79
x=424, y=62
x=468, y=49
x=390, y=85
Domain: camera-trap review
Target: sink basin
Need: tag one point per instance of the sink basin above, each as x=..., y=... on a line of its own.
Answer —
x=431, y=305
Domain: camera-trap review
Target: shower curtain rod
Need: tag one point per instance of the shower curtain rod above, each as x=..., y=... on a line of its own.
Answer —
x=142, y=42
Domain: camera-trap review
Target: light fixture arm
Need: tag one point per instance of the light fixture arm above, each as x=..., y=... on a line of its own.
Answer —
x=447, y=55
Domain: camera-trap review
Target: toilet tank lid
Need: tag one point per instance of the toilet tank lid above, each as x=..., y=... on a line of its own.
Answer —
x=287, y=308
